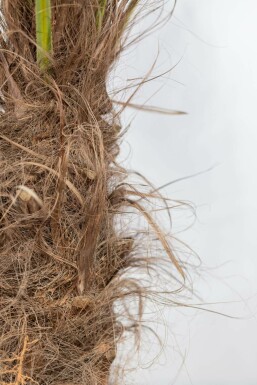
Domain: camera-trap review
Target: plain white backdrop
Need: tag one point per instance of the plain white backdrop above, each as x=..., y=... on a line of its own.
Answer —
x=212, y=45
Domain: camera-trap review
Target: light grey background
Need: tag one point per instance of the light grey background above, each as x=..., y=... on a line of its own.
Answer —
x=213, y=44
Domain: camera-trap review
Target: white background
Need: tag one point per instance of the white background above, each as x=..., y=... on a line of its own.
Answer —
x=213, y=44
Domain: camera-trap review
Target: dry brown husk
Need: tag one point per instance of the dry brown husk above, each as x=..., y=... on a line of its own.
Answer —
x=63, y=261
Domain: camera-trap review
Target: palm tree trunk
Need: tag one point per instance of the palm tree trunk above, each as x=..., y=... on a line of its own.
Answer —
x=62, y=258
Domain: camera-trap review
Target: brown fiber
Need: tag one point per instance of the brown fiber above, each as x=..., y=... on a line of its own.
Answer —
x=63, y=258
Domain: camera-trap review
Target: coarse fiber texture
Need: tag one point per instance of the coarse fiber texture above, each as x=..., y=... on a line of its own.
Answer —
x=63, y=258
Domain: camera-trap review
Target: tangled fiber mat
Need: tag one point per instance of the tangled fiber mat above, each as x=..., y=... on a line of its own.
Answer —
x=63, y=261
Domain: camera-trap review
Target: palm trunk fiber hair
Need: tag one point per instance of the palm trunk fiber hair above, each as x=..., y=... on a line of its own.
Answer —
x=63, y=262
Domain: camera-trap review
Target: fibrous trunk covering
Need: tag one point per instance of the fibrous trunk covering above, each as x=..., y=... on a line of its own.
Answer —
x=62, y=259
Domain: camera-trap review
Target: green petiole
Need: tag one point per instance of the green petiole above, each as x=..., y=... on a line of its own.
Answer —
x=43, y=32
